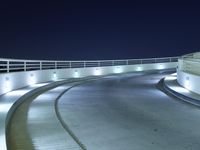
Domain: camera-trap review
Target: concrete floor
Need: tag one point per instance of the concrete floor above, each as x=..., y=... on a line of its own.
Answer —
x=129, y=113
x=44, y=127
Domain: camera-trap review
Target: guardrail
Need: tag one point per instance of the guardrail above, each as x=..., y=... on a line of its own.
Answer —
x=14, y=65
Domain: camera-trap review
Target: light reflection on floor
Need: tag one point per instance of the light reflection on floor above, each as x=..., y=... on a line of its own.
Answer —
x=6, y=102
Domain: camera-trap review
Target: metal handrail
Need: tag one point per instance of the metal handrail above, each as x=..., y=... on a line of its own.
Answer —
x=13, y=65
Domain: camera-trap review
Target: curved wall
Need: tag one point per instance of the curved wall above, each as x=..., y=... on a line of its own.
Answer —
x=15, y=80
x=189, y=81
x=188, y=72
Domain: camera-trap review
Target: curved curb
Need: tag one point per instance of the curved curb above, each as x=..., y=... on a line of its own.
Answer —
x=179, y=95
x=18, y=102
x=59, y=116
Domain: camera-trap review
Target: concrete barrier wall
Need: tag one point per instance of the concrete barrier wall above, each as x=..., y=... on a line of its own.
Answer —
x=188, y=73
x=189, y=81
x=15, y=80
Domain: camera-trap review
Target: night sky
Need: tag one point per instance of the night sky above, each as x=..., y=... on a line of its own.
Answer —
x=74, y=30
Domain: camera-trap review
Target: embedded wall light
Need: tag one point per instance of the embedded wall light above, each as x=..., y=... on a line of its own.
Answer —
x=76, y=74
x=118, y=69
x=54, y=76
x=7, y=80
x=7, y=87
x=97, y=72
x=139, y=68
x=187, y=83
x=32, y=79
x=160, y=66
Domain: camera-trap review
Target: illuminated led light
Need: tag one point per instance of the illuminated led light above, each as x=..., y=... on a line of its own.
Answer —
x=54, y=76
x=76, y=74
x=97, y=72
x=161, y=66
x=118, y=70
x=7, y=87
x=32, y=79
x=7, y=82
x=139, y=68
x=187, y=83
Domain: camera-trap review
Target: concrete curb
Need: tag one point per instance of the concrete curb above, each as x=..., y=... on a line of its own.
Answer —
x=179, y=95
x=22, y=99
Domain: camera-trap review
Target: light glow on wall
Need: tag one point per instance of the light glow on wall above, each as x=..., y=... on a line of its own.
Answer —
x=160, y=66
x=76, y=74
x=8, y=86
x=118, y=69
x=139, y=68
x=97, y=72
x=32, y=79
x=54, y=76
x=174, y=74
x=187, y=83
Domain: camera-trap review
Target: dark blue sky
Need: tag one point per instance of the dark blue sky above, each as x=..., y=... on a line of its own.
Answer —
x=98, y=30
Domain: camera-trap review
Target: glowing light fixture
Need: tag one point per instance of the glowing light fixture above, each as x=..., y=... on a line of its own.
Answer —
x=160, y=66
x=32, y=79
x=118, y=69
x=7, y=85
x=97, y=72
x=54, y=76
x=139, y=68
x=76, y=74
x=187, y=83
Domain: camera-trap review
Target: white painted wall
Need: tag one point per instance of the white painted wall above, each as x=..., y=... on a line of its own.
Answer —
x=189, y=81
x=12, y=81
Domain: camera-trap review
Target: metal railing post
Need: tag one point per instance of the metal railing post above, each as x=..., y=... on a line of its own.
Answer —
x=70, y=64
x=8, y=66
x=84, y=64
x=99, y=63
x=55, y=65
x=25, y=66
x=40, y=65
